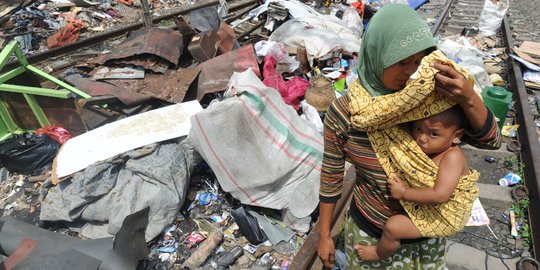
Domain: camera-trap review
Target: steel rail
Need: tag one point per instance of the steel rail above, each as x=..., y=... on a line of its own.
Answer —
x=442, y=16
x=250, y=30
x=69, y=48
x=528, y=137
x=236, y=16
x=530, y=146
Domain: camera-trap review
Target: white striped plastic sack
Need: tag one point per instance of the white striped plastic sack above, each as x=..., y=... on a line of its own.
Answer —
x=261, y=151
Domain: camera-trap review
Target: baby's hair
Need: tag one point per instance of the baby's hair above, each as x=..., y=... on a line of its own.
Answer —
x=453, y=116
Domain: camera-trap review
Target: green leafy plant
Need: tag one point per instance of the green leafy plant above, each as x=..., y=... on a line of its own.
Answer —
x=521, y=209
x=521, y=170
x=526, y=235
x=510, y=162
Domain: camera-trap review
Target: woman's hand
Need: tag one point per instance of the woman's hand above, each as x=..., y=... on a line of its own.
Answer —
x=457, y=88
x=326, y=251
x=453, y=84
x=396, y=186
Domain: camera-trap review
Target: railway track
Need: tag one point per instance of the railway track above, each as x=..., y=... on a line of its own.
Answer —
x=236, y=10
x=458, y=15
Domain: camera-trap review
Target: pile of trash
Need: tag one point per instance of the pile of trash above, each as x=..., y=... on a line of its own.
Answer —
x=205, y=146
x=46, y=24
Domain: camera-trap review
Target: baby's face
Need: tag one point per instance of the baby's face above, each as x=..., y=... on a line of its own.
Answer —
x=433, y=136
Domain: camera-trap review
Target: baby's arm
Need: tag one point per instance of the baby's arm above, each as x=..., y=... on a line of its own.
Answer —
x=450, y=171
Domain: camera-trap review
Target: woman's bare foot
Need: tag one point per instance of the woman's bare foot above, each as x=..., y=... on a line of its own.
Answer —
x=367, y=253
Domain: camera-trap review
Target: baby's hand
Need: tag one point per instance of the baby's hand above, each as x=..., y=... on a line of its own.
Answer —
x=397, y=188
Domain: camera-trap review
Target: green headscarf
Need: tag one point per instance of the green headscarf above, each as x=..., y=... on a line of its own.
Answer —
x=394, y=33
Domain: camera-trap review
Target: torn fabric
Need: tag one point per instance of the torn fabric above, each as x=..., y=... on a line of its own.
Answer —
x=156, y=175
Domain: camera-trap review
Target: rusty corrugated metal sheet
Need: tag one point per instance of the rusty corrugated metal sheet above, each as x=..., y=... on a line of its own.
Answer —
x=216, y=72
x=99, y=88
x=163, y=42
x=171, y=86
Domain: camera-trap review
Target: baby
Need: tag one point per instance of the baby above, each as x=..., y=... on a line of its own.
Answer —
x=440, y=210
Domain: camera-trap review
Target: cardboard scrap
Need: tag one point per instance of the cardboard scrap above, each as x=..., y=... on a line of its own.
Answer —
x=525, y=56
x=530, y=47
x=532, y=85
x=489, y=42
x=492, y=68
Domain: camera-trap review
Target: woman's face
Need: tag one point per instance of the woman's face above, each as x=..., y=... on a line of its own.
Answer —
x=395, y=77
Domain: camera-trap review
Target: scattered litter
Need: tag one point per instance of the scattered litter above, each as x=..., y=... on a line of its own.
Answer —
x=513, y=230
x=510, y=130
x=489, y=159
x=478, y=215
x=510, y=179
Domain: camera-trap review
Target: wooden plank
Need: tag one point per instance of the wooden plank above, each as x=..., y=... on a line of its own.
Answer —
x=530, y=47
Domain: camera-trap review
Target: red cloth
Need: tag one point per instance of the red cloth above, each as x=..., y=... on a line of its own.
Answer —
x=67, y=35
x=290, y=90
x=359, y=7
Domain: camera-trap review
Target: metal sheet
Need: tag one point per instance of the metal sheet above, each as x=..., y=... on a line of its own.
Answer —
x=163, y=42
x=228, y=38
x=148, y=61
x=216, y=72
x=171, y=86
x=96, y=88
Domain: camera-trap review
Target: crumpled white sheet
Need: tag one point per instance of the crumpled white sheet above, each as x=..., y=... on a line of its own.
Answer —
x=318, y=35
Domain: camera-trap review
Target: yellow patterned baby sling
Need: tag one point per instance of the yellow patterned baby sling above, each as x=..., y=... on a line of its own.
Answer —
x=399, y=154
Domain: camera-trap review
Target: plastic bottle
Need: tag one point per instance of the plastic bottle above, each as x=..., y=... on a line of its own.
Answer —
x=497, y=99
x=509, y=180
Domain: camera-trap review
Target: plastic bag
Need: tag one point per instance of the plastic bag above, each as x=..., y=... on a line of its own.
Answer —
x=279, y=52
x=353, y=20
x=492, y=16
x=58, y=133
x=28, y=153
x=468, y=57
x=248, y=226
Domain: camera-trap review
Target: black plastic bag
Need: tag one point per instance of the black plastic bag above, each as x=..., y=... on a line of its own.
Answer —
x=28, y=153
x=248, y=226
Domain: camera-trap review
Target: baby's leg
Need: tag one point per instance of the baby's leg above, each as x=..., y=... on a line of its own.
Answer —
x=396, y=228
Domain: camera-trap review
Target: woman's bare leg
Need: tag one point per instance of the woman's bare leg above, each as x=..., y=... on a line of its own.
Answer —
x=396, y=228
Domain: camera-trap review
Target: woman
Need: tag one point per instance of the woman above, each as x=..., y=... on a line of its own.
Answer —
x=393, y=47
